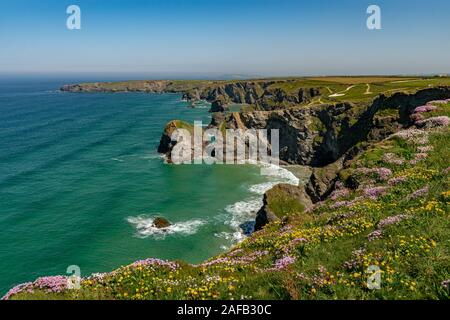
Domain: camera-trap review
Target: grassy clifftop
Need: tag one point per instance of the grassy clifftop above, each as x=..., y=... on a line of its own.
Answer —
x=388, y=215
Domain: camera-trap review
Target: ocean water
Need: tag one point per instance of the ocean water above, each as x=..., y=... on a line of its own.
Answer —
x=81, y=181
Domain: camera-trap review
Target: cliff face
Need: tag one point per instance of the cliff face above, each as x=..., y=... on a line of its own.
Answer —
x=277, y=98
x=239, y=92
x=320, y=135
x=259, y=94
x=311, y=136
x=342, y=128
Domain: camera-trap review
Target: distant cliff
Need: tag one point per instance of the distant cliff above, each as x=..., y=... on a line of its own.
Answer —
x=126, y=86
x=263, y=94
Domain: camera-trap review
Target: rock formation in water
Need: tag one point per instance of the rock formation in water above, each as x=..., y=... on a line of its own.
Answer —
x=161, y=223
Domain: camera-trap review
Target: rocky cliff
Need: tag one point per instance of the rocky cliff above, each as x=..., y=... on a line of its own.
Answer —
x=280, y=202
x=259, y=93
x=326, y=136
x=154, y=86
x=321, y=134
x=339, y=140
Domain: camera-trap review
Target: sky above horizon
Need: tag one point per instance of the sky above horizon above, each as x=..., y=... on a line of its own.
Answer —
x=248, y=37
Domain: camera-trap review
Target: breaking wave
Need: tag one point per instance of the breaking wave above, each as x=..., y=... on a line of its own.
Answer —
x=241, y=215
x=145, y=228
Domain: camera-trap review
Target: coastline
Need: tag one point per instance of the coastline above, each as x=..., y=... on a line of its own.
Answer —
x=335, y=179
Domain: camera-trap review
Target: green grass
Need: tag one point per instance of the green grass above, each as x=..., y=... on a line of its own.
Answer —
x=388, y=113
x=183, y=125
x=283, y=204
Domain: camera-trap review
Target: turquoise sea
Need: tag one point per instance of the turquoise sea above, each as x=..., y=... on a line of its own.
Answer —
x=80, y=181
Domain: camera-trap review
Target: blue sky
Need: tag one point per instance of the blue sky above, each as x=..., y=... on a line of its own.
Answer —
x=250, y=37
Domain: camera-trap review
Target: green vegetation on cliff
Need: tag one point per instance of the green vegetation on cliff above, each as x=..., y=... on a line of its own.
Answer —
x=283, y=204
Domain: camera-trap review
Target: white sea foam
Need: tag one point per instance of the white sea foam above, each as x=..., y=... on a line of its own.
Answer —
x=241, y=215
x=231, y=238
x=152, y=156
x=262, y=187
x=278, y=174
x=145, y=228
x=203, y=105
x=284, y=175
x=248, y=205
x=243, y=211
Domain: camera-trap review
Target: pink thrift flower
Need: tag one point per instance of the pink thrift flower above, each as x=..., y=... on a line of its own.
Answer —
x=391, y=158
x=420, y=193
x=441, y=121
x=339, y=193
x=425, y=149
x=377, y=234
x=426, y=108
x=392, y=220
x=375, y=192
x=282, y=263
x=397, y=180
